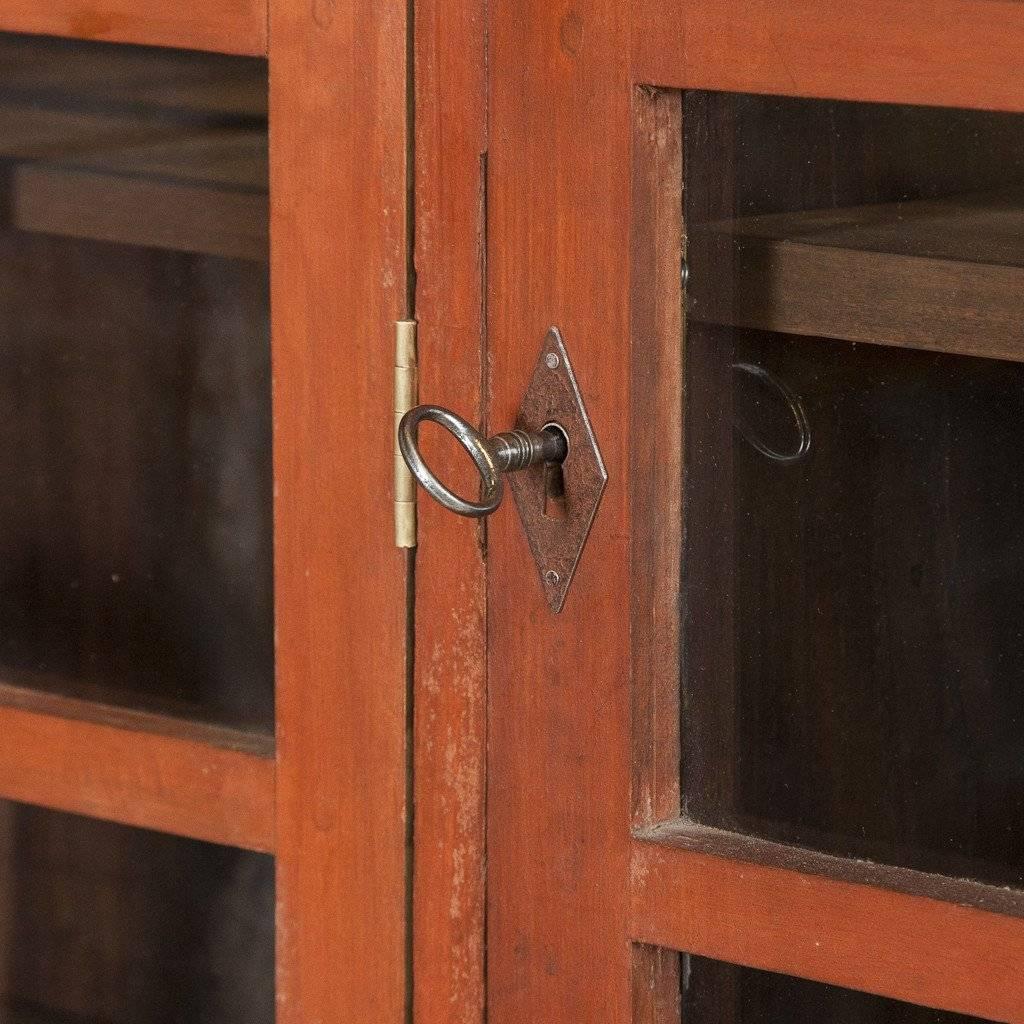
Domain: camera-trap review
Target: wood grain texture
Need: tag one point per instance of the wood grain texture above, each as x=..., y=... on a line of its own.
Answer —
x=656, y=985
x=136, y=768
x=656, y=428
x=339, y=265
x=227, y=26
x=656, y=308
x=682, y=833
x=559, y=752
x=861, y=936
x=105, y=204
x=450, y=676
x=944, y=275
x=960, y=53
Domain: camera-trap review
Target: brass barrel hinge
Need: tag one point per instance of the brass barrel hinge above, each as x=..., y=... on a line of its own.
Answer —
x=406, y=396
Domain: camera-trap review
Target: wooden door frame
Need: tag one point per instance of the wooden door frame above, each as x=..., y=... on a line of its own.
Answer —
x=337, y=783
x=591, y=872
x=450, y=694
x=340, y=276
x=230, y=26
x=572, y=88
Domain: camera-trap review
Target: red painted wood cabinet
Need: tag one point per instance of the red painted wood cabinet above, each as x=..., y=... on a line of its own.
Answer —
x=259, y=764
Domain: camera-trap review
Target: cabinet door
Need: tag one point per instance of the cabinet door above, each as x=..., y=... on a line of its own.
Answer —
x=764, y=764
x=339, y=273
x=136, y=587
x=203, y=251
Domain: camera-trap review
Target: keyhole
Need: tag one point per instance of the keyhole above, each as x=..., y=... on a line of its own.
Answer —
x=554, y=482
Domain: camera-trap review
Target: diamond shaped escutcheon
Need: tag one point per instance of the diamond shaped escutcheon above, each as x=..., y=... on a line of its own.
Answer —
x=557, y=524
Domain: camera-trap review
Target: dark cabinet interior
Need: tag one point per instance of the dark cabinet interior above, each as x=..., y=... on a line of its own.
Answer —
x=135, y=505
x=103, y=924
x=716, y=992
x=854, y=562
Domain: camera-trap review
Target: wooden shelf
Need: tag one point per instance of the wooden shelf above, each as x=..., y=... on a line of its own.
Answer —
x=945, y=274
x=175, y=157
x=157, y=771
x=200, y=193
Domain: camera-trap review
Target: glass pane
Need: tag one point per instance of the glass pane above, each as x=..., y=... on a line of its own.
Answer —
x=854, y=574
x=102, y=923
x=720, y=993
x=135, y=471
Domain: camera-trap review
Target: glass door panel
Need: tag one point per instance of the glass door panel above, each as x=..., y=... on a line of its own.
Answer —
x=135, y=509
x=135, y=470
x=854, y=416
x=102, y=924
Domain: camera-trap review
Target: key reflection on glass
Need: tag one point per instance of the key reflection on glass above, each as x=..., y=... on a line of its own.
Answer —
x=769, y=415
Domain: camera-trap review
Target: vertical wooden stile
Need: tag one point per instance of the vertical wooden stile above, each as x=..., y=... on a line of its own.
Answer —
x=339, y=265
x=450, y=675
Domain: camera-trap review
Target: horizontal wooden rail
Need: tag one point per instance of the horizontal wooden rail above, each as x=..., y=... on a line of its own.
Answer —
x=902, y=934
x=155, y=771
x=225, y=26
x=882, y=50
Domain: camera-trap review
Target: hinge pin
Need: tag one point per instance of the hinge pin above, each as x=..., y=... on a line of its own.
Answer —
x=406, y=388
